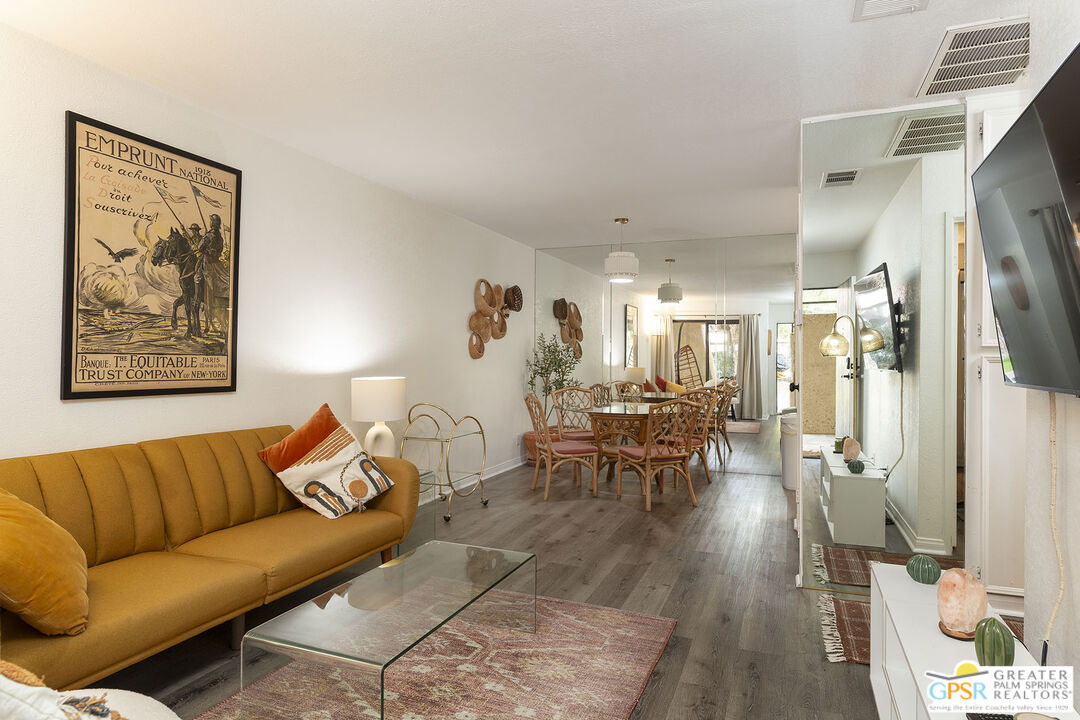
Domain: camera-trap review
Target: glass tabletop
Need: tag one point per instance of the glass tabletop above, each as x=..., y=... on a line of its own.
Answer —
x=378, y=616
x=620, y=408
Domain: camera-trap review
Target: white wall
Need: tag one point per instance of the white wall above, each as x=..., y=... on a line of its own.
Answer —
x=822, y=270
x=1055, y=31
x=910, y=236
x=338, y=277
x=556, y=278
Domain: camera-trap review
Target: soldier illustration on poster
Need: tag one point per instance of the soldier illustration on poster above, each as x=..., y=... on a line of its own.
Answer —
x=150, y=267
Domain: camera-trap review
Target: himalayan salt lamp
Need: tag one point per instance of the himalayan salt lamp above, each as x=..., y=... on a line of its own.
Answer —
x=852, y=448
x=961, y=601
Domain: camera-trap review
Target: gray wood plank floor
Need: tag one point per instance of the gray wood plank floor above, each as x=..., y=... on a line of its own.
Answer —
x=747, y=644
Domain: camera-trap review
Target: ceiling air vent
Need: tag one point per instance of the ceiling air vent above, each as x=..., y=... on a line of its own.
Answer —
x=922, y=135
x=870, y=9
x=974, y=57
x=839, y=178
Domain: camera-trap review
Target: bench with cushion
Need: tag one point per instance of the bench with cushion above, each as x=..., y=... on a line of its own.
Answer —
x=181, y=535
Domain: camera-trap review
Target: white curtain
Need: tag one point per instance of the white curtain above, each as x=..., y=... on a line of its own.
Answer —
x=662, y=350
x=749, y=371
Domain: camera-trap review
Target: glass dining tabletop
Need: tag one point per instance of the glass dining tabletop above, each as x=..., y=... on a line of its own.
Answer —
x=621, y=408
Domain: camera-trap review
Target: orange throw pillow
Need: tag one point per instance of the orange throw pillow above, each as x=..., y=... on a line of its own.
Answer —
x=661, y=383
x=42, y=570
x=649, y=387
x=299, y=442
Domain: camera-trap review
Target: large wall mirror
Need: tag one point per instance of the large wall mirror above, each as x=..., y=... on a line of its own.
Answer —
x=737, y=303
x=883, y=267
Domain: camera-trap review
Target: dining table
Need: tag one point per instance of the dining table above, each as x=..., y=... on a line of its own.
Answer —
x=617, y=424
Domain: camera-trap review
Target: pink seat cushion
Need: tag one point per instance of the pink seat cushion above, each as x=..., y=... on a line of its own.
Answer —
x=578, y=435
x=637, y=452
x=573, y=447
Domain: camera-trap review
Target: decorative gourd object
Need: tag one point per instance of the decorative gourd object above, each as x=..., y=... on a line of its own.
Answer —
x=961, y=602
x=923, y=569
x=994, y=643
x=856, y=466
x=852, y=448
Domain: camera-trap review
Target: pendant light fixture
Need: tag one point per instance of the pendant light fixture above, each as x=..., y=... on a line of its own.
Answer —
x=620, y=266
x=669, y=292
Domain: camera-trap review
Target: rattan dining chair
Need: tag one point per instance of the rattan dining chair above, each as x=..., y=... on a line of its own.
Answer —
x=601, y=394
x=727, y=390
x=554, y=453
x=570, y=406
x=667, y=446
x=628, y=391
x=699, y=439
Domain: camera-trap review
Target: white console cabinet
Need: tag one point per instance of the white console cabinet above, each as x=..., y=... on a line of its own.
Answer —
x=854, y=505
x=905, y=643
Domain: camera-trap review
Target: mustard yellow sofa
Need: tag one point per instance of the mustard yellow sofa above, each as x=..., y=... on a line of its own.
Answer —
x=181, y=535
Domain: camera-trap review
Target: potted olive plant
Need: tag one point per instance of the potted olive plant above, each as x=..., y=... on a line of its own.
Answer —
x=551, y=368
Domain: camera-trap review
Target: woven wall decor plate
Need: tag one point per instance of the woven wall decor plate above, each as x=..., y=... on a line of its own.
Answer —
x=484, y=297
x=476, y=347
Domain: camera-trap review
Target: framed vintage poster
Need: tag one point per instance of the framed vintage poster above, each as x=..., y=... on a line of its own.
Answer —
x=150, y=270
x=631, y=336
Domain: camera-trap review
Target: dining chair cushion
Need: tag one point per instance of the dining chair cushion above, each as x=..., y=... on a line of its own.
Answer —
x=637, y=452
x=573, y=447
x=577, y=435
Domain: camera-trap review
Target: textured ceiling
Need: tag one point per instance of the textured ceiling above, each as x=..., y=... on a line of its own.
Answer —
x=839, y=218
x=541, y=120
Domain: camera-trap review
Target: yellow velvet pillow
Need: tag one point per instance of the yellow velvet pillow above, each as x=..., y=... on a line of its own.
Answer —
x=42, y=570
x=675, y=387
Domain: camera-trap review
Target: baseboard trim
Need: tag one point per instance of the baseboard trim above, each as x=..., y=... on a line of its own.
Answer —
x=928, y=545
x=490, y=473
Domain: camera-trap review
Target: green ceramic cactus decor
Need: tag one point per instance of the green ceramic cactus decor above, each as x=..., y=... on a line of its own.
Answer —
x=994, y=643
x=923, y=569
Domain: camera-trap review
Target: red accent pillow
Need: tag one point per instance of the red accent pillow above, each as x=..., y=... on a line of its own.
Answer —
x=299, y=442
x=649, y=387
x=661, y=383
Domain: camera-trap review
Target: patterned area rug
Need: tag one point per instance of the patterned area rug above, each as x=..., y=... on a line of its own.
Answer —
x=1016, y=624
x=845, y=627
x=851, y=566
x=584, y=662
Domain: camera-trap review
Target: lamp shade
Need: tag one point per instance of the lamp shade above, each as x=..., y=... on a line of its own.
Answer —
x=378, y=399
x=636, y=375
x=833, y=345
x=669, y=292
x=870, y=339
x=621, y=267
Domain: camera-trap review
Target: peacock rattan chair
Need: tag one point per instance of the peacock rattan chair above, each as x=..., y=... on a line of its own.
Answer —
x=668, y=433
x=555, y=453
x=570, y=406
x=687, y=369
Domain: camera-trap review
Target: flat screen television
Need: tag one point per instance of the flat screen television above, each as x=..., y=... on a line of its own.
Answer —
x=1027, y=194
x=874, y=302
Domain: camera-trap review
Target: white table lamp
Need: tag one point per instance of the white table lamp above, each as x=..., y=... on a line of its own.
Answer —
x=378, y=399
x=636, y=375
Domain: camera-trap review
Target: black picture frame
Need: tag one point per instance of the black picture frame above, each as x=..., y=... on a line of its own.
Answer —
x=111, y=176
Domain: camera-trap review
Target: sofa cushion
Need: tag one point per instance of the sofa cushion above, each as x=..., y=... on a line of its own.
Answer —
x=42, y=570
x=298, y=546
x=216, y=480
x=139, y=605
x=287, y=451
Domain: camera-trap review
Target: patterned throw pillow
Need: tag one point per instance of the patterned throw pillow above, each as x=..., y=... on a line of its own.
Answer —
x=336, y=476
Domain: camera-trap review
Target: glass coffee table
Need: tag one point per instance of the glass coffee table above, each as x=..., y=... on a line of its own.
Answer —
x=365, y=625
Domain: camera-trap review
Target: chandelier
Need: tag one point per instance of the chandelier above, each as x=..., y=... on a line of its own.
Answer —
x=669, y=292
x=620, y=266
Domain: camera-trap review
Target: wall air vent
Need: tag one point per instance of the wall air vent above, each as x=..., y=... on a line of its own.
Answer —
x=922, y=135
x=980, y=56
x=870, y=9
x=839, y=178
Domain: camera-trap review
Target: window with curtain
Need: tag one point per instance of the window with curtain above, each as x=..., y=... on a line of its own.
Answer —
x=715, y=344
